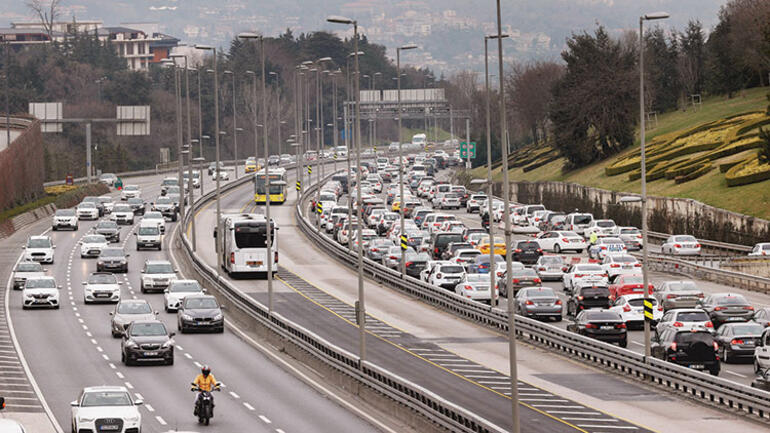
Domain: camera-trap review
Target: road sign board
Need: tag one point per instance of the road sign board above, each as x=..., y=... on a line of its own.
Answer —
x=464, y=149
x=133, y=119
x=47, y=111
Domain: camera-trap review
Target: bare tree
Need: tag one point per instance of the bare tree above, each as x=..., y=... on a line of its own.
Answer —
x=48, y=11
x=530, y=89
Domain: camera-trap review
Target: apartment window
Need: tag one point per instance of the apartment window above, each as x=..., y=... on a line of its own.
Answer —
x=129, y=49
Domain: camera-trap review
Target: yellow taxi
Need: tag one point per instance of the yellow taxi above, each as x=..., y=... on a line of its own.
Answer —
x=251, y=165
x=483, y=245
x=395, y=206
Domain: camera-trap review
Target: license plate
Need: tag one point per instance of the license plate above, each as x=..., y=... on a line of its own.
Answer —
x=102, y=295
x=626, y=266
x=150, y=353
x=109, y=427
x=697, y=366
x=733, y=319
x=254, y=263
x=607, y=327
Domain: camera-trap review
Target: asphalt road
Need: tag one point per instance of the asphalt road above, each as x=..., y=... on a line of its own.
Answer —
x=70, y=348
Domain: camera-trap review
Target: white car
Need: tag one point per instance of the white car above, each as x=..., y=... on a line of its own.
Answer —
x=65, y=218
x=157, y=275
x=122, y=214
x=447, y=275
x=681, y=245
x=632, y=237
x=111, y=406
x=40, y=292
x=620, y=264
x=561, y=241
x=107, y=202
x=448, y=200
x=108, y=179
x=474, y=286
x=685, y=319
x=762, y=353
x=631, y=309
x=601, y=228
x=87, y=210
x=148, y=236
x=92, y=245
x=223, y=175
x=607, y=246
x=177, y=291
x=584, y=274
x=39, y=249
x=578, y=222
x=474, y=202
x=550, y=268
x=130, y=191
x=761, y=249
x=25, y=270
x=156, y=218
x=465, y=256
x=101, y=287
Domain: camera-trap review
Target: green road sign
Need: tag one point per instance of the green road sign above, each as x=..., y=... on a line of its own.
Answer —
x=464, y=149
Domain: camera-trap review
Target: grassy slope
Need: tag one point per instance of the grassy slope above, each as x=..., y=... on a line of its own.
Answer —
x=711, y=188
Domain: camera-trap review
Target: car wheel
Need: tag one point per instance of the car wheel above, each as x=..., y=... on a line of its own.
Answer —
x=170, y=360
x=756, y=367
x=623, y=344
x=115, y=334
x=53, y=228
x=556, y=248
x=714, y=370
x=725, y=359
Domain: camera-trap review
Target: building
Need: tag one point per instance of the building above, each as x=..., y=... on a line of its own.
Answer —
x=141, y=44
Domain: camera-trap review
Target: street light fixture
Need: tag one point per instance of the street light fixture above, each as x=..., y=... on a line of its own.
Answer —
x=235, y=125
x=401, y=206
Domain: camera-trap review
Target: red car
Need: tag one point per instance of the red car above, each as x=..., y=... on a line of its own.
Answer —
x=629, y=284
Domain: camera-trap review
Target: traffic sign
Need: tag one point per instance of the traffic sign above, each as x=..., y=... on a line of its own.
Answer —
x=464, y=149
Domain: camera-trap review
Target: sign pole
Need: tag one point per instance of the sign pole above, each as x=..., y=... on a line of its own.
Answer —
x=468, y=140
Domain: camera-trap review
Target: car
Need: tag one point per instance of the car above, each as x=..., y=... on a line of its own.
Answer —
x=558, y=241
x=39, y=249
x=112, y=259
x=602, y=228
x=630, y=284
x=762, y=353
x=761, y=249
x=101, y=287
x=108, y=179
x=177, y=291
x=588, y=297
x=692, y=348
x=685, y=319
x=452, y=247
x=632, y=237
x=448, y=200
x=109, y=229
x=166, y=207
x=196, y=178
x=550, y=268
x=678, y=294
x=367, y=235
x=727, y=308
x=631, y=309
x=65, y=219
x=130, y=191
x=465, y=256
x=148, y=236
x=415, y=263
x=474, y=202
x=24, y=270
x=137, y=205
x=577, y=222
x=620, y=264
x=106, y=408
x=224, y=174
x=199, y=313
x=520, y=277
x=127, y=311
x=606, y=246
x=92, y=245
x=377, y=249
x=447, y=275
x=439, y=242
x=156, y=218
x=392, y=256
x=539, y=303
x=157, y=275
x=681, y=245
x=40, y=292
x=250, y=166
x=475, y=287
x=584, y=274
x=107, y=203
x=147, y=341
x=87, y=211
x=527, y=252
x=97, y=202
x=168, y=182
x=548, y=221
x=122, y=214
x=213, y=166
x=738, y=340
x=762, y=316
x=603, y=325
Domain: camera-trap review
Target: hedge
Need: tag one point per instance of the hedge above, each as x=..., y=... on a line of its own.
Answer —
x=542, y=161
x=735, y=176
x=700, y=171
x=72, y=198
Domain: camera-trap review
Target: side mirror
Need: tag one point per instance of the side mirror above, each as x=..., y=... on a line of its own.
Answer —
x=157, y=312
x=128, y=255
x=136, y=234
x=74, y=403
x=165, y=291
x=2, y=403
x=172, y=334
x=84, y=283
x=54, y=247
x=138, y=402
x=205, y=290
x=111, y=313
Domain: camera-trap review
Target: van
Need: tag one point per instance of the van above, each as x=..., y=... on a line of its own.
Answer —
x=148, y=236
x=577, y=222
x=343, y=180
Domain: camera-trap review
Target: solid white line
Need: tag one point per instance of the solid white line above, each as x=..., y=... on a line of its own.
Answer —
x=265, y=419
x=561, y=406
x=572, y=412
x=248, y=406
x=543, y=399
x=590, y=419
x=609, y=426
x=735, y=374
x=638, y=343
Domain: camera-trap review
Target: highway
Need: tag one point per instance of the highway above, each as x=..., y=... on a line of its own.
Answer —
x=70, y=348
x=460, y=361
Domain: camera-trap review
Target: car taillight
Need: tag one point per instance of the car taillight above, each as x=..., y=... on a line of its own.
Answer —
x=483, y=266
x=536, y=280
x=558, y=302
x=670, y=296
x=539, y=250
x=591, y=326
x=579, y=275
x=614, y=265
x=719, y=308
x=603, y=248
x=530, y=302
x=393, y=258
x=564, y=269
x=515, y=281
x=469, y=288
x=565, y=240
x=637, y=265
x=735, y=341
x=499, y=274
x=580, y=298
x=678, y=324
x=407, y=264
x=435, y=250
x=232, y=258
x=638, y=236
x=517, y=250
x=541, y=268
x=700, y=295
x=626, y=308
x=709, y=324
x=749, y=308
x=677, y=246
x=276, y=257
x=697, y=245
x=620, y=326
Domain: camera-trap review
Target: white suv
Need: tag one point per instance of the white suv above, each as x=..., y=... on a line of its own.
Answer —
x=40, y=292
x=39, y=249
x=65, y=218
x=447, y=276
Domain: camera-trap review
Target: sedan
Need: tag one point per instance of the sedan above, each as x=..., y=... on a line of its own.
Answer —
x=127, y=311
x=603, y=325
x=681, y=245
x=112, y=260
x=761, y=249
x=40, y=292
x=474, y=286
x=130, y=191
x=629, y=284
x=101, y=287
x=377, y=249
x=177, y=291
x=415, y=263
x=92, y=245
x=538, y=302
x=87, y=211
x=620, y=264
x=147, y=341
x=25, y=270
x=727, y=307
x=110, y=407
x=109, y=229
x=678, y=294
x=583, y=274
x=474, y=201
x=738, y=340
x=632, y=237
x=155, y=217
x=561, y=241
x=522, y=277
x=199, y=313
x=631, y=309
x=550, y=268
x=762, y=316
x=527, y=252
x=392, y=256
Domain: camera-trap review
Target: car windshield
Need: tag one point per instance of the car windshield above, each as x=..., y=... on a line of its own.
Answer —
x=185, y=287
x=542, y=292
x=639, y=302
x=748, y=329
x=65, y=213
x=102, y=279
x=682, y=285
x=148, y=231
x=623, y=259
x=551, y=260
x=147, y=329
x=29, y=267
x=601, y=315
x=684, y=239
x=528, y=245
x=689, y=337
x=630, y=231
x=94, y=239
x=40, y=283
x=200, y=304
x=130, y=188
x=163, y=200
x=730, y=300
x=588, y=268
x=86, y=205
x=451, y=269
x=107, y=225
x=477, y=278
x=105, y=398
x=766, y=247
x=39, y=243
x=134, y=308
x=524, y=273
x=152, y=216
x=582, y=219
x=159, y=268
x=122, y=208
x=600, y=292
x=112, y=252
x=692, y=316
x=605, y=224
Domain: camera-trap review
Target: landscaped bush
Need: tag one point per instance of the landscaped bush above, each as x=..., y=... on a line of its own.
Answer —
x=699, y=171
x=73, y=197
x=749, y=171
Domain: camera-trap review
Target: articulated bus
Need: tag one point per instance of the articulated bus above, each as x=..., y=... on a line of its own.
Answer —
x=244, y=244
x=277, y=186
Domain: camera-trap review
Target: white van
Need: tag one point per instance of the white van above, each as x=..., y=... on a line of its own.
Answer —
x=148, y=235
x=577, y=222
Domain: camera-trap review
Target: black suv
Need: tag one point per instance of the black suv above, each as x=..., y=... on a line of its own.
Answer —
x=695, y=349
x=527, y=252
x=440, y=241
x=147, y=341
x=587, y=297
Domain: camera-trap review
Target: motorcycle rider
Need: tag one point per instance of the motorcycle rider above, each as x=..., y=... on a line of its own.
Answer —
x=204, y=381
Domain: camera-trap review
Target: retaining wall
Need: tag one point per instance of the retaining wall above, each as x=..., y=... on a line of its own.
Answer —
x=22, y=170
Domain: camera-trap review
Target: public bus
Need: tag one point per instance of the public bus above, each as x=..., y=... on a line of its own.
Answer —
x=277, y=186
x=244, y=244
x=418, y=140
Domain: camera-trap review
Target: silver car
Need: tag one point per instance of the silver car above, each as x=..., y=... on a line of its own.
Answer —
x=678, y=294
x=26, y=270
x=127, y=311
x=538, y=302
x=550, y=268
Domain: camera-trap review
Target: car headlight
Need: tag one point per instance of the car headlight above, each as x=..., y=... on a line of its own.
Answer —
x=189, y=317
x=86, y=419
x=131, y=343
x=132, y=419
x=168, y=344
x=218, y=316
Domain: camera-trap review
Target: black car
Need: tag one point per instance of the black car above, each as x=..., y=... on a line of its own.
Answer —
x=440, y=241
x=166, y=207
x=527, y=252
x=109, y=229
x=147, y=341
x=588, y=297
x=137, y=205
x=200, y=313
x=690, y=348
x=738, y=340
x=96, y=201
x=415, y=263
x=112, y=260
x=603, y=325
x=727, y=308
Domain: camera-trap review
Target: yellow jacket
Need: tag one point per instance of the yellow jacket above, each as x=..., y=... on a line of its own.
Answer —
x=205, y=383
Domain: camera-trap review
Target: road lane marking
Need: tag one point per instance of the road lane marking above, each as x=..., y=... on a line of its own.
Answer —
x=160, y=420
x=234, y=395
x=736, y=374
x=149, y=408
x=120, y=375
x=248, y=406
x=265, y=419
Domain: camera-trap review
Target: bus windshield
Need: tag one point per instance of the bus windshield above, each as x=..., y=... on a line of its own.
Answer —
x=251, y=235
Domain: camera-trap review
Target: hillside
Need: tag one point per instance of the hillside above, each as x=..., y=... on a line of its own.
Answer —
x=694, y=144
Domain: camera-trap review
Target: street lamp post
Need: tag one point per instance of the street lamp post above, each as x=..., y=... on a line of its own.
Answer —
x=645, y=276
x=168, y=62
x=374, y=87
x=256, y=130
x=189, y=125
x=403, y=239
x=361, y=310
x=235, y=126
x=203, y=137
x=200, y=121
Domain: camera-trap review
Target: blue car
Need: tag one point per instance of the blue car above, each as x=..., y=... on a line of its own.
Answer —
x=481, y=264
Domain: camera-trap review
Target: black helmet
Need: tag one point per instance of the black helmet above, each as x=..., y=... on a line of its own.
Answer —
x=205, y=370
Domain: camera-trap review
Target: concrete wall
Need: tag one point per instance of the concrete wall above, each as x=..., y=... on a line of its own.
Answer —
x=22, y=170
x=666, y=215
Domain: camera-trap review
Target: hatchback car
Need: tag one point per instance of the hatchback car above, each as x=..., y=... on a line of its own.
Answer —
x=681, y=245
x=692, y=348
x=200, y=313
x=106, y=409
x=101, y=287
x=40, y=292
x=415, y=263
x=147, y=341
x=64, y=219
x=738, y=340
x=87, y=211
x=603, y=325
x=447, y=276
x=127, y=311
x=177, y=291
x=685, y=319
x=25, y=270
x=39, y=249
x=156, y=218
x=92, y=245
x=727, y=308
x=539, y=303
x=631, y=309
x=113, y=260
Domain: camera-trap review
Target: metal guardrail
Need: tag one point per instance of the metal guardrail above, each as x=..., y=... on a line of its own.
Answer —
x=732, y=278
x=721, y=248
x=417, y=398
x=698, y=385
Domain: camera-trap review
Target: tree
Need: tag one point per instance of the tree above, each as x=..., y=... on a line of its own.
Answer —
x=48, y=11
x=594, y=104
x=750, y=21
x=662, y=83
x=691, y=58
x=764, y=151
x=530, y=92
x=725, y=73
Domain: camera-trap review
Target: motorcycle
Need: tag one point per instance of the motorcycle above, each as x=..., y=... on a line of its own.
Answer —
x=204, y=404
